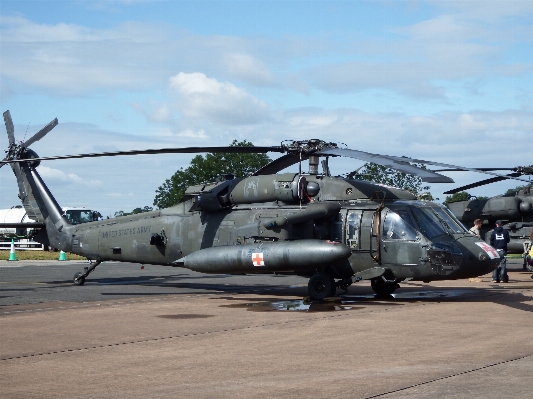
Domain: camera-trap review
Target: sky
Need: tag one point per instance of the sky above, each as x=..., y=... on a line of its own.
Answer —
x=445, y=80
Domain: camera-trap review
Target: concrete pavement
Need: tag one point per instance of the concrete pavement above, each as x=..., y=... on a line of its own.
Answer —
x=454, y=339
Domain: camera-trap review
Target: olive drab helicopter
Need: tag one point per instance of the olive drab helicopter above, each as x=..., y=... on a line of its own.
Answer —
x=515, y=210
x=335, y=231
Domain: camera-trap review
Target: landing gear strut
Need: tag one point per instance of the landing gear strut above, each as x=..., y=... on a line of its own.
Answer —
x=79, y=278
x=383, y=287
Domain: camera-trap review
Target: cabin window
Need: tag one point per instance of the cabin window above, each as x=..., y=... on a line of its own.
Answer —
x=398, y=226
x=353, y=223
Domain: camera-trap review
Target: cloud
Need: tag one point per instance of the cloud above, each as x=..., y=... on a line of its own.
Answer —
x=58, y=176
x=201, y=97
x=455, y=44
x=248, y=68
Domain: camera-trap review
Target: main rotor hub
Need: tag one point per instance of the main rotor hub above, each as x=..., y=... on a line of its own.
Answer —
x=525, y=170
x=307, y=147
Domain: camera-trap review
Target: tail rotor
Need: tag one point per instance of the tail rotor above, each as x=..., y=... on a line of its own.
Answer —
x=20, y=151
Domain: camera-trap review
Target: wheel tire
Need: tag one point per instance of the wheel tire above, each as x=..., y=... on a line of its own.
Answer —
x=383, y=288
x=321, y=286
x=79, y=279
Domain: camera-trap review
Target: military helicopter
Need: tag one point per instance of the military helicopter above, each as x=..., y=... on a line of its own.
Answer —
x=335, y=231
x=516, y=211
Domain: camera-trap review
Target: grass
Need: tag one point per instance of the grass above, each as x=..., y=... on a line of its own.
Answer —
x=38, y=255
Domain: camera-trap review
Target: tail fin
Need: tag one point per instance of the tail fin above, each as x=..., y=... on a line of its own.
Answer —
x=36, y=198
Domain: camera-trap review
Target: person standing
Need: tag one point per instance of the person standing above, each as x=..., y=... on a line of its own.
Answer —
x=498, y=240
x=528, y=248
x=475, y=230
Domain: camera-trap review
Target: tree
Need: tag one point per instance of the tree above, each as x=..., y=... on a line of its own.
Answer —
x=381, y=174
x=512, y=191
x=135, y=211
x=460, y=196
x=205, y=169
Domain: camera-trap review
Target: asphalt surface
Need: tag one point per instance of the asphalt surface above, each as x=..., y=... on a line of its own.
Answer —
x=163, y=332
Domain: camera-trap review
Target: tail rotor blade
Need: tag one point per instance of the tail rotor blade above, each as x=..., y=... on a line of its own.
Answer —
x=41, y=133
x=9, y=127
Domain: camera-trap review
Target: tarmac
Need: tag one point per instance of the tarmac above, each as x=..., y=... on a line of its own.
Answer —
x=170, y=333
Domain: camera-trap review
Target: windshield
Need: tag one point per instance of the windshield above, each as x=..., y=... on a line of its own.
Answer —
x=451, y=220
x=398, y=226
x=428, y=221
x=437, y=220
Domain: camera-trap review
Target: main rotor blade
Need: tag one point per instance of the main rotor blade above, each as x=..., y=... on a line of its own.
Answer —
x=186, y=150
x=462, y=168
x=9, y=127
x=397, y=163
x=482, y=183
x=41, y=133
x=477, y=169
x=279, y=164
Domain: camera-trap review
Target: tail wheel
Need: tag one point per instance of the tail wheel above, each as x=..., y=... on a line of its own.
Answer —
x=321, y=286
x=79, y=278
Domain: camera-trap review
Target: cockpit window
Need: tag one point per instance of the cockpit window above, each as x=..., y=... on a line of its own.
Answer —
x=450, y=220
x=398, y=226
x=428, y=221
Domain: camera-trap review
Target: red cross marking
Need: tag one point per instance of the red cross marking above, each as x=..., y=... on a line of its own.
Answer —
x=493, y=254
x=257, y=259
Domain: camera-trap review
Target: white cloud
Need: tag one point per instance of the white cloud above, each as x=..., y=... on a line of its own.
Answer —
x=194, y=134
x=58, y=176
x=220, y=102
x=456, y=44
x=248, y=68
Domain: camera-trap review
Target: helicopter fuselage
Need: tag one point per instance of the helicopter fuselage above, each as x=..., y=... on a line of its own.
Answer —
x=400, y=237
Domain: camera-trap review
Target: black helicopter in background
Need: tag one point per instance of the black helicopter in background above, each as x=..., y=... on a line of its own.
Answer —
x=515, y=209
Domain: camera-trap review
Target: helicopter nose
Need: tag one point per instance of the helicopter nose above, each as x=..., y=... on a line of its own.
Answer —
x=479, y=258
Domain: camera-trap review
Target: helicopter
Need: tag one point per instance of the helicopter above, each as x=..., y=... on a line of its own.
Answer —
x=515, y=211
x=335, y=231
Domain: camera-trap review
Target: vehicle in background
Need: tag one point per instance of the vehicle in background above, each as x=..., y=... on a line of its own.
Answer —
x=23, y=237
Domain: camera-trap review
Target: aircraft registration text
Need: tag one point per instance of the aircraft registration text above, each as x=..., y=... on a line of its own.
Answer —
x=126, y=232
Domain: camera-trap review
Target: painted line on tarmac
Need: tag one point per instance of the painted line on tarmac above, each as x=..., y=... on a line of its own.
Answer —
x=450, y=376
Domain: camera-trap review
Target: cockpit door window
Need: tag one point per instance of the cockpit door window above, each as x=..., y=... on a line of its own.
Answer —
x=397, y=225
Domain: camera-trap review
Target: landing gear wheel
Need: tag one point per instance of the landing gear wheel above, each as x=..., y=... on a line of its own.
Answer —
x=383, y=288
x=321, y=286
x=79, y=278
